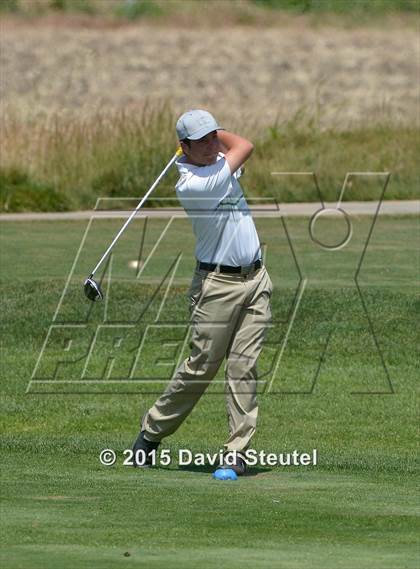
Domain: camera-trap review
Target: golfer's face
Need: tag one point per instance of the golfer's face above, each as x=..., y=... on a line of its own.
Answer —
x=204, y=150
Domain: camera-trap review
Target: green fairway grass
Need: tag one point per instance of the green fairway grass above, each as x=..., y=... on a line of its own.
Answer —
x=356, y=509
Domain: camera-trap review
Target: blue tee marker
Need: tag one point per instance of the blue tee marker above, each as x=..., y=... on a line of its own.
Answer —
x=225, y=474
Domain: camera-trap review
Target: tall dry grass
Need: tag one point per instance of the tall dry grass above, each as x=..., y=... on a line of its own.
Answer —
x=64, y=162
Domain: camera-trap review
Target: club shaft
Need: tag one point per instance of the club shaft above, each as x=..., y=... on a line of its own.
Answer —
x=144, y=198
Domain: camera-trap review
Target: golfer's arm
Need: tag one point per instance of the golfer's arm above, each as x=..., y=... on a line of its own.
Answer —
x=236, y=149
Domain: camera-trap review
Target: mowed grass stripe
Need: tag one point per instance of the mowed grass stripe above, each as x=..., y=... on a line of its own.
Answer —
x=284, y=515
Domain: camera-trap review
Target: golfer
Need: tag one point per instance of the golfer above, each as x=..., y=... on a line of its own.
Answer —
x=230, y=291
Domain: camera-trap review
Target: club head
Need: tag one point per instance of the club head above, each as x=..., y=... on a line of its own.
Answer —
x=92, y=290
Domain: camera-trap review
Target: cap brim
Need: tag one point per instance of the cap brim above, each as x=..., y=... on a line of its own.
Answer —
x=202, y=132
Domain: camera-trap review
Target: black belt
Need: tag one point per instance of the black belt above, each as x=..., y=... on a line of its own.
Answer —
x=227, y=269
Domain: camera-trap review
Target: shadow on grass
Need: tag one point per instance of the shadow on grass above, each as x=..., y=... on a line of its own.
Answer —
x=204, y=469
x=207, y=468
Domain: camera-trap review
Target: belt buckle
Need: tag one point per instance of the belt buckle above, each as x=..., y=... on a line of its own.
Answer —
x=246, y=270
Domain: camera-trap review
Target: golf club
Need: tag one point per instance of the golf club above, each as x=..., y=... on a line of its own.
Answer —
x=91, y=287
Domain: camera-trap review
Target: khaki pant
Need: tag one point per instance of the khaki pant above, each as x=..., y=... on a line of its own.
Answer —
x=230, y=314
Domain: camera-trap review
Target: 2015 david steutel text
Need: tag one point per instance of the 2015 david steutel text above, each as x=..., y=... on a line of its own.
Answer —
x=186, y=457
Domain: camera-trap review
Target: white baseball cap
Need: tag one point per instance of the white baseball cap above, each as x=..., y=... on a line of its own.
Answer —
x=195, y=124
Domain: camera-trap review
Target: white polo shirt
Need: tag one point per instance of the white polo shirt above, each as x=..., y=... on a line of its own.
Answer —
x=221, y=219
